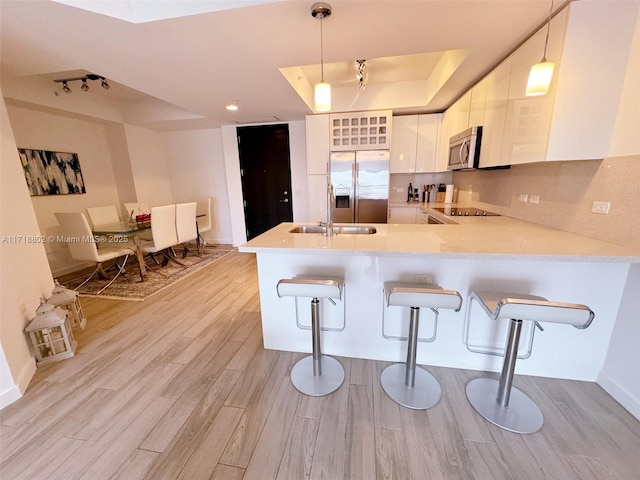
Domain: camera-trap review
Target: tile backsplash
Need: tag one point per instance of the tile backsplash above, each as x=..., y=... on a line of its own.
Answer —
x=566, y=192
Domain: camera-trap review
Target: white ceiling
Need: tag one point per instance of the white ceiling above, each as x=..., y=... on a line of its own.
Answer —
x=176, y=64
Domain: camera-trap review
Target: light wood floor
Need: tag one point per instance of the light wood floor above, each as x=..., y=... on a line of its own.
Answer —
x=179, y=387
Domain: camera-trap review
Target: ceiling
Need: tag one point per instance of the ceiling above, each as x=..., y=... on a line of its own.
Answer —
x=175, y=64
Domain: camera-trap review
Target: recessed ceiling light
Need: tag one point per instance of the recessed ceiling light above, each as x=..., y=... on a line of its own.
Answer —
x=233, y=106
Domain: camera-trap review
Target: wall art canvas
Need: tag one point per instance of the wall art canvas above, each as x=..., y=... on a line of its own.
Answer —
x=51, y=173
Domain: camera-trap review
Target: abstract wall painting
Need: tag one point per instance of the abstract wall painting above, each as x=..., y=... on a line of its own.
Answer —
x=51, y=173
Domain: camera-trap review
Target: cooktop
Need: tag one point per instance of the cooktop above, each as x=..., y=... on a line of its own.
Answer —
x=465, y=212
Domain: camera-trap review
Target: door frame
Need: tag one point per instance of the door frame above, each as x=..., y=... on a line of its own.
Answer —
x=298, y=166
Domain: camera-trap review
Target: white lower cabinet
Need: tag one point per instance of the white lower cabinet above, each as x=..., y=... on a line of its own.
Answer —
x=403, y=214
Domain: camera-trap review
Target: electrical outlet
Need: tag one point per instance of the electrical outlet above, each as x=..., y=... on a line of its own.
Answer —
x=523, y=197
x=534, y=199
x=601, y=207
x=424, y=278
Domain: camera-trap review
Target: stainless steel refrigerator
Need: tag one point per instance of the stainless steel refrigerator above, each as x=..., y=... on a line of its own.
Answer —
x=361, y=186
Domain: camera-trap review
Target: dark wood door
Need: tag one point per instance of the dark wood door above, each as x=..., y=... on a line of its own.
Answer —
x=266, y=177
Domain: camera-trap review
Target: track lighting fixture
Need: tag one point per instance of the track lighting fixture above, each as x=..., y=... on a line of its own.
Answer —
x=361, y=75
x=85, y=85
x=321, y=10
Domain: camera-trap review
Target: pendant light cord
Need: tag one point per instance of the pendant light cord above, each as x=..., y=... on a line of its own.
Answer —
x=321, y=51
x=546, y=40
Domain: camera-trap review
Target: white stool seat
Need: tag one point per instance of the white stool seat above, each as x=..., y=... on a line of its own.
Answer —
x=497, y=400
x=310, y=287
x=533, y=308
x=421, y=295
x=407, y=384
x=317, y=374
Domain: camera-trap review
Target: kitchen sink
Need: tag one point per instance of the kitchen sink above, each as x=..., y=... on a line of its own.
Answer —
x=337, y=229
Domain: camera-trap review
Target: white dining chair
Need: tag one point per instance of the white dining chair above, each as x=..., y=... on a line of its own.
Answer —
x=163, y=231
x=205, y=221
x=100, y=216
x=186, y=228
x=82, y=246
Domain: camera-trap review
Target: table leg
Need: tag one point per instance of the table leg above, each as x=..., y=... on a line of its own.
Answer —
x=140, y=256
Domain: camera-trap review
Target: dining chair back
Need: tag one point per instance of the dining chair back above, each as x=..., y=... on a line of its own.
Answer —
x=82, y=246
x=163, y=227
x=186, y=228
x=100, y=216
x=204, y=208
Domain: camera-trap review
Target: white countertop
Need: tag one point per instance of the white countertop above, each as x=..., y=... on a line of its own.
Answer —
x=498, y=237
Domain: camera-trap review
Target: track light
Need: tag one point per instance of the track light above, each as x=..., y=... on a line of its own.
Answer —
x=85, y=84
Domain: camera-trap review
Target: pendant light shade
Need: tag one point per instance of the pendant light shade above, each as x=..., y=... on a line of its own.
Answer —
x=541, y=73
x=540, y=77
x=323, y=89
x=323, y=97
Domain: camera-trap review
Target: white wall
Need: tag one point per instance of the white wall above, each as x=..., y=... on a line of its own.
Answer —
x=619, y=375
x=25, y=276
x=47, y=131
x=196, y=169
x=149, y=165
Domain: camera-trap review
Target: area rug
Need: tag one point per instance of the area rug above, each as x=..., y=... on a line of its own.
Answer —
x=158, y=277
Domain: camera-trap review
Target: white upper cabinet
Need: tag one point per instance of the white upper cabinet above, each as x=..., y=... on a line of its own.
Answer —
x=414, y=142
x=496, y=86
x=590, y=44
x=318, y=141
x=404, y=144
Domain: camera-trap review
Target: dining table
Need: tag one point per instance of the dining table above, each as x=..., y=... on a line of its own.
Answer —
x=122, y=232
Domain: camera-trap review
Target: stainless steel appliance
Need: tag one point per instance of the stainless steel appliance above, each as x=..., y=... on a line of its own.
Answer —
x=464, y=149
x=361, y=186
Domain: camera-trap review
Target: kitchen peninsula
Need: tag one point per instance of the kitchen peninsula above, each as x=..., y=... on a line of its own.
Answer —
x=488, y=253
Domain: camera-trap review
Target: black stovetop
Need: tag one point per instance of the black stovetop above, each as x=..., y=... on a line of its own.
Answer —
x=465, y=212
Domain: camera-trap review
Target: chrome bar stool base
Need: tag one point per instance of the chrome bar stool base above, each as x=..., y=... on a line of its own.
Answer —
x=425, y=393
x=522, y=415
x=305, y=381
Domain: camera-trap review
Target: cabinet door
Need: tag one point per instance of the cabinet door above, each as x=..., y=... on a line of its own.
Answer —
x=427, y=142
x=317, y=198
x=404, y=144
x=495, y=110
x=402, y=214
x=317, y=131
x=478, y=98
x=528, y=119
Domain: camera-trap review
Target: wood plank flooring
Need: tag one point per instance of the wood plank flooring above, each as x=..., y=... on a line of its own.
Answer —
x=179, y=387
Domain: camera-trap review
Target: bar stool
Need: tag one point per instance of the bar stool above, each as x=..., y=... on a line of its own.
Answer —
x=317, y=374
x=498, y=401
x=406, y=384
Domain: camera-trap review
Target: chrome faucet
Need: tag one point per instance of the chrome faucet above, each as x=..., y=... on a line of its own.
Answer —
x=329, y=223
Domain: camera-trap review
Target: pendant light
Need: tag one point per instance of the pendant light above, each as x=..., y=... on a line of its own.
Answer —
x=541, y=73
x=323, y=89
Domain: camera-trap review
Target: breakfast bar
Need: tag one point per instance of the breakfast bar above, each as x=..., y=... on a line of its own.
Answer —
x=491, y=253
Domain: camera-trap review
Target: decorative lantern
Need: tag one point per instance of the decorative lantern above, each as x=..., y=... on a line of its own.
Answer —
x=63, y=297
x=51, y=335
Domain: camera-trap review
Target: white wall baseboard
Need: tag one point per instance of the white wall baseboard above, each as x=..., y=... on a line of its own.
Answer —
x=16, y=391
x=620, y=394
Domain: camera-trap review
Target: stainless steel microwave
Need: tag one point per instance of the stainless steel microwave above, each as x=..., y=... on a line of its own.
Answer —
x=464, y=149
